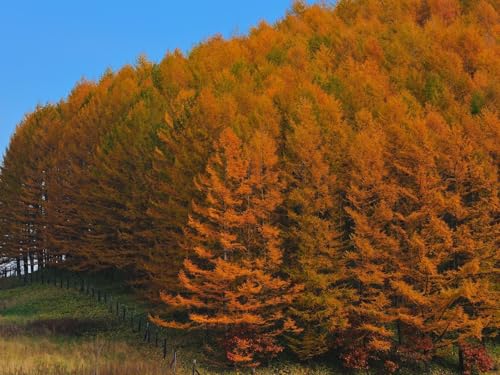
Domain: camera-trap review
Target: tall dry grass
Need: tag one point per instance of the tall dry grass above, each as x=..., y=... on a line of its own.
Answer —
x=38, y=356
x=34, y=355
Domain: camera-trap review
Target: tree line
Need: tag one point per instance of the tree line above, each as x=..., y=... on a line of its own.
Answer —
x=327, y=184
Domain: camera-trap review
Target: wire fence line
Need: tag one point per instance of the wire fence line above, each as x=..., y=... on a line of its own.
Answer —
x=148, y=332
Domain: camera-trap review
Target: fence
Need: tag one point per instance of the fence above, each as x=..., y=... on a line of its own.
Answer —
x=139, y=323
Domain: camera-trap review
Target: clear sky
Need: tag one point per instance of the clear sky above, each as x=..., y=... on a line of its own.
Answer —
x=46, y=46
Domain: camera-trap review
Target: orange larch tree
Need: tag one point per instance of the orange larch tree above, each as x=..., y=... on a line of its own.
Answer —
x=232, y=273
x=370, y=263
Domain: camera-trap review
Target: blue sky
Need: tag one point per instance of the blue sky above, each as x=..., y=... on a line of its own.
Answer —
x=47, y=46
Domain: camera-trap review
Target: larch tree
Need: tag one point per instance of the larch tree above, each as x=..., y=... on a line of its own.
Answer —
x=67, y=176
x=11, y=205
x=315, y=236
x=232, y=274
x=119, y=189
x=469, y=265
x=417, y=220
x=370, y=261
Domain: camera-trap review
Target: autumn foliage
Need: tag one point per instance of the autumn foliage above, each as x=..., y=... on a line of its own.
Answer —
x=327, y=184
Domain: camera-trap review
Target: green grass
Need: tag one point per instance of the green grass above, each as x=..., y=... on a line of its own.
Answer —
x=42, y=302
x=46, y=329
x=64, y=329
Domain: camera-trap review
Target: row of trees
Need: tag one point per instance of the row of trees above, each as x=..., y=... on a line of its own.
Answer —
x=327, y=184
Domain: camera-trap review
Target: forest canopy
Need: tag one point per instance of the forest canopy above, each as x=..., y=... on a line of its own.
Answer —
x=327, y=184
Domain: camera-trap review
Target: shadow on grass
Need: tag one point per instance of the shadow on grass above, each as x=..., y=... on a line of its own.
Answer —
x=60, y=327
x=66, y=326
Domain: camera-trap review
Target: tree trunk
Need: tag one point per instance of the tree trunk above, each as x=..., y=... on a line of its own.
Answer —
x=32, y=262
x=25, y=265
x=18, y=266
x=461, y=366
x=39, y=259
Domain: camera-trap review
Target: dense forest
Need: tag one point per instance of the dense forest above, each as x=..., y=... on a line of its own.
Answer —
x=327, y=185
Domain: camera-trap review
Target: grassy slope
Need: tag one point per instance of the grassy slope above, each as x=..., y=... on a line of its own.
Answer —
x=45, y=329
x=48, y=330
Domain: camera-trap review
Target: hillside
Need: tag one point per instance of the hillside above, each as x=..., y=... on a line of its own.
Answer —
x=49, y=330
x=325, y=187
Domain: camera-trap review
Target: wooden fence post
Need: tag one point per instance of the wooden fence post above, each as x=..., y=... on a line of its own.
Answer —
x=173, y=364
x=146, y=331
x=195, y=370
